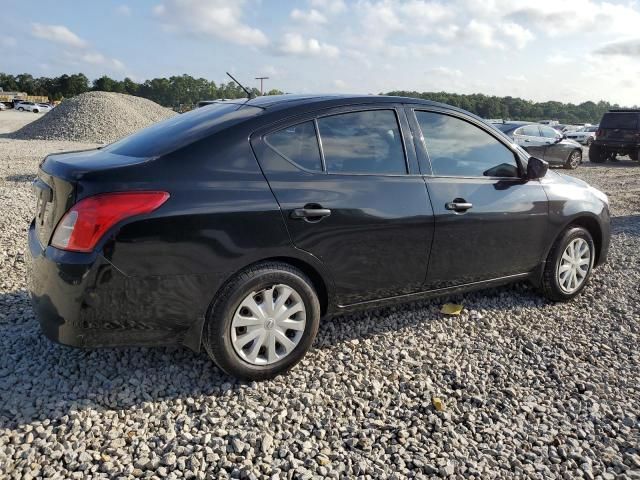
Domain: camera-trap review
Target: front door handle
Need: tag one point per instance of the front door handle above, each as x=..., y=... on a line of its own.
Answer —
x=311, y=213
x=458, y=205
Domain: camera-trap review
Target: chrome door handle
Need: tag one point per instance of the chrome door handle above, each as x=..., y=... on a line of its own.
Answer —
x=458, y=206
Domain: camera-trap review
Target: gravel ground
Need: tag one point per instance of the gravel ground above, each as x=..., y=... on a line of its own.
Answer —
x=95, y=117
x=530, y=389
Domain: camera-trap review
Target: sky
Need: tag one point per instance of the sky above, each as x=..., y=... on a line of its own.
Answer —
x=564, y=50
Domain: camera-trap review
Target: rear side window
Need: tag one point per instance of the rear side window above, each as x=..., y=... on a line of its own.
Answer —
x=529, y=131
x=362, y=142
x=298, y=144
x=459, y=149
x=620, y=120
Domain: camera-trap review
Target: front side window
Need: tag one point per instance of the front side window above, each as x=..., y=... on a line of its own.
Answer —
x=362, y=142
x=460, y=149
x=299, y=144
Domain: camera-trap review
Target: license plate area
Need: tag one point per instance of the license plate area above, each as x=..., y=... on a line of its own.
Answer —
x=44, y=209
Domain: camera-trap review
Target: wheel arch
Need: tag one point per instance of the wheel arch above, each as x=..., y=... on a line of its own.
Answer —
x=592, y=226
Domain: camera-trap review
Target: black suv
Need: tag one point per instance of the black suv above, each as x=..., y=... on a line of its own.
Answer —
x=238, y=225
x=619, y=134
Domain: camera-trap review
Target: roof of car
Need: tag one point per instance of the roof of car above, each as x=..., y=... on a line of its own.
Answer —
x=289, y=100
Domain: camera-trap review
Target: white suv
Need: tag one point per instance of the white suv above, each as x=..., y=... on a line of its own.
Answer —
x=32, y=107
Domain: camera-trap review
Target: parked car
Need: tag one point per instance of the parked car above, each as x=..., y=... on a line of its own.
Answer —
x=584, y=136
x=617, y=134
x=292, y=209
x=32, y=107
x=544, y=142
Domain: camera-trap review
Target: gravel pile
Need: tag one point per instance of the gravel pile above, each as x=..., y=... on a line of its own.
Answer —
x=95, y=117
x=530, y=389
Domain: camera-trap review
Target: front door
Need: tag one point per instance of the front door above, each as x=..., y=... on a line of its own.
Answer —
x=351, y=194
x=530, y=138
x=490, y=222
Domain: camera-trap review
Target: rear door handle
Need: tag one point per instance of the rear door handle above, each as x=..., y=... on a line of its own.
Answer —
x=458, y=206
x=311, y=214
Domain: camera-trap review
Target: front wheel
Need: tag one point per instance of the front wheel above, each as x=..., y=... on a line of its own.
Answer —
x=35, y=110
x=574, y=159
x=21, y=109
x=262, y=322
x=569, y=265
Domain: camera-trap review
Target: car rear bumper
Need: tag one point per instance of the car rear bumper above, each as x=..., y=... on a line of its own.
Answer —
x=617, y=145
x=82, y=300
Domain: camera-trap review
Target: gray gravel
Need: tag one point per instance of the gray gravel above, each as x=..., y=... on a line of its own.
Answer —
x=530, y=389
x=95, y=117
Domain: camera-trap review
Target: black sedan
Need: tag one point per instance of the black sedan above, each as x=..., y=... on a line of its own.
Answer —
x=544, y=142
x=239, y=225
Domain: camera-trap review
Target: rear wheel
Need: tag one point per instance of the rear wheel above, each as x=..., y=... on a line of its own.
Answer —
x=21, y=109
x=574, y=159
x=35, y=110
x=634, y=155
x=262, y=322
x=597, y=154
x=569, y=265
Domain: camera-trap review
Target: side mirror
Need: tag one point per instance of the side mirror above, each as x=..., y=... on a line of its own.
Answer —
x=536, y=168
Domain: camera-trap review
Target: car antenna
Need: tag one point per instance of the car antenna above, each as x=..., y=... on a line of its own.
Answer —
x=249, y=95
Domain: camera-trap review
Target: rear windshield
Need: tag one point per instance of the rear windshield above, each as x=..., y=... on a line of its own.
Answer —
x=620, y=120
x=181, y=130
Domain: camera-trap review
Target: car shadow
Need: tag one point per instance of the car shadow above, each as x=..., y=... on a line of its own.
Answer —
x=42, y=380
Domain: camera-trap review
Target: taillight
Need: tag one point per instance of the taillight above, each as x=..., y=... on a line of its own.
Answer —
x=599, y=132
x=82, y=227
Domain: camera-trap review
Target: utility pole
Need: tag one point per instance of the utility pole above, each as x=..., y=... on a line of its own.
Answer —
x=261, y=80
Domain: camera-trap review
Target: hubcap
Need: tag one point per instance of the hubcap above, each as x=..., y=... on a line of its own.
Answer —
x=574, y=265
x=575, y=159
x=268, y=325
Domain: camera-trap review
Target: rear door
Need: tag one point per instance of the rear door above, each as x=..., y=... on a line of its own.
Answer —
x=530, y=138
x=348, y=184
x=490, y=222
x=557, y=151
x=620, y=127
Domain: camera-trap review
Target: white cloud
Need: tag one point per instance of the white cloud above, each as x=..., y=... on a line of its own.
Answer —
x=330, y=6
x=339, y=83
x=215, y=18
x=559, y=59
x=96, y=58
x=444, y=72
x=296, y=44
x=480, y=34
x=310, y=16
x=123, y=10
x=58, y=34
x=519, y=35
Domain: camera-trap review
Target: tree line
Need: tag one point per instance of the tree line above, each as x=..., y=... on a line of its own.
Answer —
x=172, y=92
x=185, y=90
x=513, y=108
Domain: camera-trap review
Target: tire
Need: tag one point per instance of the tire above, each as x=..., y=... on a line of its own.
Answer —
x=21, y=109
x=255, y=283
x=556, y=286
x=597, y=154
x=35, y=110
x=634, y=155
x=573, y=160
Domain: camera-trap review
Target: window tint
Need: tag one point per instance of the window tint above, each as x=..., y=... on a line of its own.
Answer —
x=458, y=148
x=530, y=131
x=181, y=130
x=620, y=120
x=362, y=142
x=549, y=132
x=299, y=144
